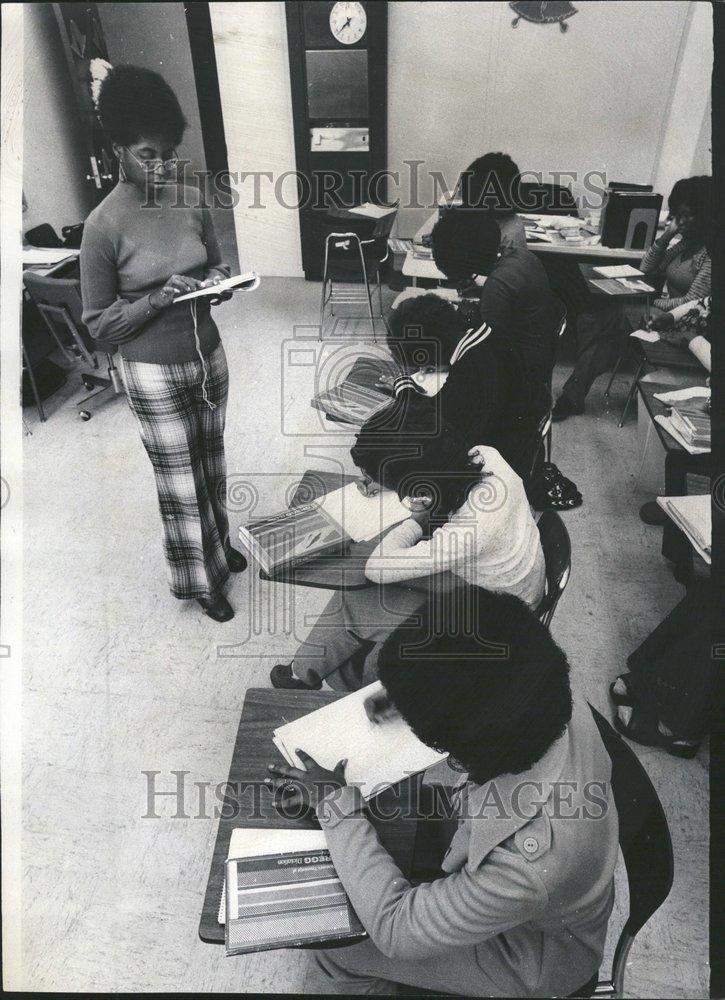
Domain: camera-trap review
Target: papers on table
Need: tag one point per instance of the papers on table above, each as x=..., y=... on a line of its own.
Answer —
x=378, y=754
x=692, y=449
x=244, y=282
x=47, y=255
x=693, y=514
x=680, y=395
x=618, y=271
x=363, y=517
x=371, y=211
x=650, y=336
x=620, y=286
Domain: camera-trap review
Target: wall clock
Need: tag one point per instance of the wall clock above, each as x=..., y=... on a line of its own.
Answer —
x=348, y=22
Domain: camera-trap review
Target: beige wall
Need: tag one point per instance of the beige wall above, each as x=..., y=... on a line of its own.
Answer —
x=250, y=41
x=624, y=91
x=155, y=36
x=54, y=154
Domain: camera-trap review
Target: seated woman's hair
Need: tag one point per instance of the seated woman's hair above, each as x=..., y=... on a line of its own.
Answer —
x=479, y=677
x=435, y=466
x=696, y=193
x=491, y=182
x=466, y=242
x=425, y=331
x=135, y=102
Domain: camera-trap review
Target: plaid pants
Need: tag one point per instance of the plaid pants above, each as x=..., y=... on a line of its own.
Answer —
x=184, y=438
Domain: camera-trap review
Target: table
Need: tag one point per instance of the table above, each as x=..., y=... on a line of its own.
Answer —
x=590, y=275
x=248, y=801
x=342, y=571
x=678, y=464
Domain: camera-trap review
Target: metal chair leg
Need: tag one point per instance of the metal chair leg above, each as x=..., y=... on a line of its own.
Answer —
x=369, y=297
x=34, y=387
x=617, y=363
x=632, y=391
x=324, y=288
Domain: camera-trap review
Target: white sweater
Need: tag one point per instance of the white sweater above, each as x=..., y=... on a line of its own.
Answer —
x=491, y=541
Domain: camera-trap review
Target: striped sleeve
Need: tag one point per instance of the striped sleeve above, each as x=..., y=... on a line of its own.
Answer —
x=699, y=288
x=404, y=382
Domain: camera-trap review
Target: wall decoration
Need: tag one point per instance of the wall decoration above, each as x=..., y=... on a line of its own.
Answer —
x=543, y=12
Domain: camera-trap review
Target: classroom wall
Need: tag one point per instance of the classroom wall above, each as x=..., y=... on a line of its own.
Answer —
x=155, y=36
x=250, y=41
x=54, y=163
x=593, y=98
x=687, y=128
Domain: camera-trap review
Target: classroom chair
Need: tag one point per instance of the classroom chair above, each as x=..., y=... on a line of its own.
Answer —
x=556, y=546
x=59, y=302
x=640, y=361
x=646, y=846
x=344, y=251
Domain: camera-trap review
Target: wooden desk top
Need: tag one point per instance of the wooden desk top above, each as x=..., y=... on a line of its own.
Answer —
x=248, y=801
x=417, y=267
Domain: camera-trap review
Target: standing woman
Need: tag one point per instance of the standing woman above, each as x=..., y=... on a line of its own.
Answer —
x=147, y=242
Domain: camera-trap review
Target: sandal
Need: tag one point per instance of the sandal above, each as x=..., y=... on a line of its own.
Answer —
x=644, y=729
x=626, y=699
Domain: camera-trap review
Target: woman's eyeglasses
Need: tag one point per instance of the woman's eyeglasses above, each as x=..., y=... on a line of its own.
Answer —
x=150, y=165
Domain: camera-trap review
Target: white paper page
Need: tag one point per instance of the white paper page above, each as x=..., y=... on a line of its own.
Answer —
x=361, y=517
x=618, y=271
x=250, y=281
x=378, y=754
x=371, y=211
x=651, y=336
x=47, y=255
x=694, y=515
x=678, y=395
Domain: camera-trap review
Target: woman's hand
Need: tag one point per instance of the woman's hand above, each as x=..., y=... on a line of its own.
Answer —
x=671, y=229
x=367, y=487
x=659, y=321
x=305, y=787
x=222, y=296
x=476, y=455
x=177, y=284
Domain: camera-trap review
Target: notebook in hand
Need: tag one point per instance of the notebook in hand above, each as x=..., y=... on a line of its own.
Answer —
x=324, y=526
x=378, y=754
x=238, y=282
x=282, y=891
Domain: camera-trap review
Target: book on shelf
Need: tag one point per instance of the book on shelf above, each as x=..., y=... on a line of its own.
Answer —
x=281, y=890
x=325, y=526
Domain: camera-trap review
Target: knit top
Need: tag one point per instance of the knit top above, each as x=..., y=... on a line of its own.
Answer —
x=130, y=248
x=687, y=278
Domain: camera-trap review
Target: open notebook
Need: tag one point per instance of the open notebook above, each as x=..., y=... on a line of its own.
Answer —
x=378, y=754
x=238, y=282
x=693, y=514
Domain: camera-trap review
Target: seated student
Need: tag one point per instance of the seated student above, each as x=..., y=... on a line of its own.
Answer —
x=484, y=399
x=491, y=182
x=683, y=264
x=516, y=300
x=526, y=886
x=484, y=535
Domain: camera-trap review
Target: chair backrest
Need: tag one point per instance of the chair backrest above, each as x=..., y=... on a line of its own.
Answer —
x=556, y=545
x=644, y=839
x=59, y=299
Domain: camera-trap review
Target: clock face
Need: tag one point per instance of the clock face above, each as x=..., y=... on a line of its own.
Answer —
x=348, y=22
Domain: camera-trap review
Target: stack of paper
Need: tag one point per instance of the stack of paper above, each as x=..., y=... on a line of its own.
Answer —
x=378, y=754
x=693, y=514
x=47, y=255
x=618, y=271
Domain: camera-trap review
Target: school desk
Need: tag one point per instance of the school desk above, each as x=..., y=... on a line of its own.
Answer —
x=248, y=801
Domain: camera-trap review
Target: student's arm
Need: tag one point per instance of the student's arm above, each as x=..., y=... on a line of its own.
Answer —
x=408, y=923
x=496, y=304
x=403, y=555
x=107, y=316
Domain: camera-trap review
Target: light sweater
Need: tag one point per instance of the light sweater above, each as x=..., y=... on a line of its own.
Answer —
x=129, y=250
x=491, y=541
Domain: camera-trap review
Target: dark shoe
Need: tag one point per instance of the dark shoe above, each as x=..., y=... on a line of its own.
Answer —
x=564, y=408
x=643, y=729
x=281, y=676
x=652, y=513
x=217, y=608
x=236, y=561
